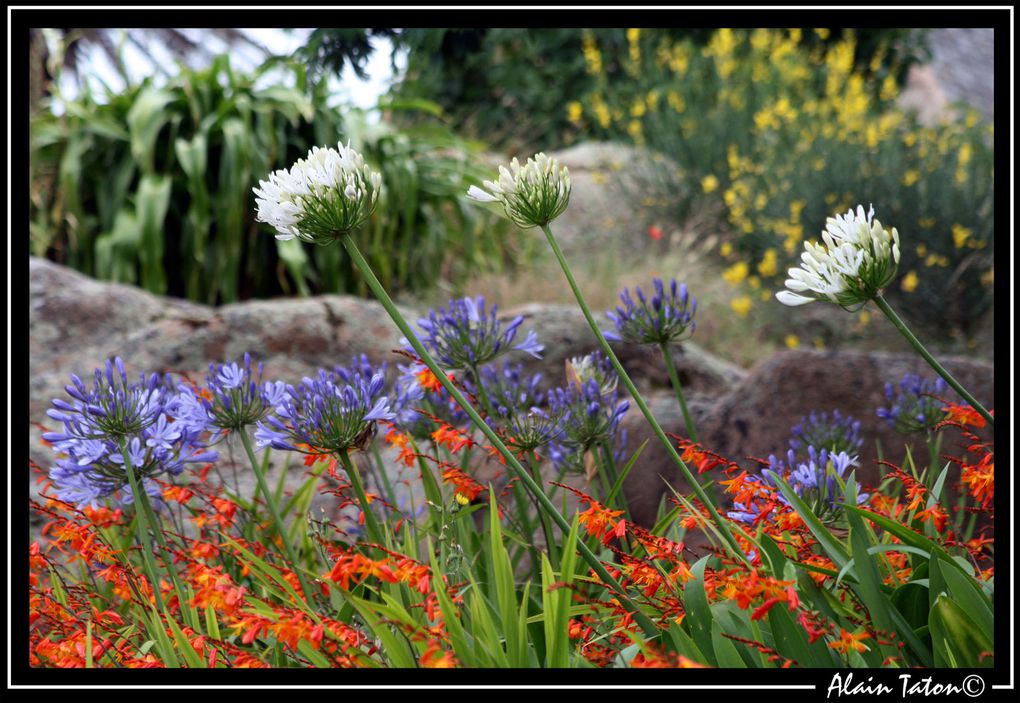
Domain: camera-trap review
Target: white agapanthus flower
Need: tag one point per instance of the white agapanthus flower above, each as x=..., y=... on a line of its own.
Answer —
x=533, y=195
x=321, y=197
x=858, y=259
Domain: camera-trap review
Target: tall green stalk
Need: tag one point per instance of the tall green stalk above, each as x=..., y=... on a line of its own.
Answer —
x=143, y=520
x=373, y=283
x=275, y=512
x=939, y=368
x=674, y=379
x=731, y=541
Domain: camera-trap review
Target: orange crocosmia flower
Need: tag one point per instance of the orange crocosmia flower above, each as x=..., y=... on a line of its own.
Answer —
x=850, y=640
x=465, y=485
x=964, y=415
x=980, y=480
x=434, y=657
x=396, y=438
x=430, y=382
x=452, y=438
x=598, y=521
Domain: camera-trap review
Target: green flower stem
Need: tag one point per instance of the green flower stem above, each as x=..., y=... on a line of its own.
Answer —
x=275, y=512
x=674, y=378
x=521, y=496
x=593, y=561
x=905, y=331
x=371, y=523
x=692, y=481
x=143, y=521
x=547, y=530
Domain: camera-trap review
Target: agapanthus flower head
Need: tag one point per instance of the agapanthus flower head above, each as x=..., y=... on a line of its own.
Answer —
x=817, y=480
x=115, y=414
x=330, y=413
x=531, y=429
x=323, y=196
x=594, y=366
x=835, y=432
x=509, y=390
x=463, y=335
x=668, y=316
x=533, y=195
x=914, y=405
x=113, y=407
x=233, y=397
x=588, y=416
x=857, y=259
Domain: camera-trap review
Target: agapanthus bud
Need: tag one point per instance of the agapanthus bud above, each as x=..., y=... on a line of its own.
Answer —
x=667, y=317
x=323, y=196
x=858, y=259
x=532, y=195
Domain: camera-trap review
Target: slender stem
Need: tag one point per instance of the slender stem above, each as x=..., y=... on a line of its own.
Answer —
x=593, y=561
x=692, y=481
x=674, y=378
x=371, y=523
x=547, y=530
x=275, y=512
x=142, y=521
x=939, y=368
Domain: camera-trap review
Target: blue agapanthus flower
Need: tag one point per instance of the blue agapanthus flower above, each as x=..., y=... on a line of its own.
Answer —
x=668, y=316
x=912, y=407
x=113, y=416
x=463, y=335
x=329, y=413
x=508, y=388
x=835, y=432
x=233, y=397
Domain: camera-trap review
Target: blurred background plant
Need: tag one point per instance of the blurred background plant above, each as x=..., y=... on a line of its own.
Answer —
x=754, y=136
x=153, y=185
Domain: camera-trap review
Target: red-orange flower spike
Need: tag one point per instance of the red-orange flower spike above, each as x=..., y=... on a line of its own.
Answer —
x=452, y=438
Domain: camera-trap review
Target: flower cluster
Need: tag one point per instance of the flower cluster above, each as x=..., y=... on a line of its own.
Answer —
x=322, y=197
x=589, y=415
x=667, y=317
x=913, y=404
x=329, y=413
x=233, y=397
x=835, y=433
x=858, y=260
x=532, y=195
x=463, y=335
x=116, y=427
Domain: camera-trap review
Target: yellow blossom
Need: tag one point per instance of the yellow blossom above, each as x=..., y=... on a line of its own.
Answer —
x=909, y=282
x=709, y=183
x=911, y=177
x=735, y=273
x=574, y=111
x=960, y=235
x=741, y=305
x=791, y=341
x=769, y=264
x=726, y=249
x=921, y=250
